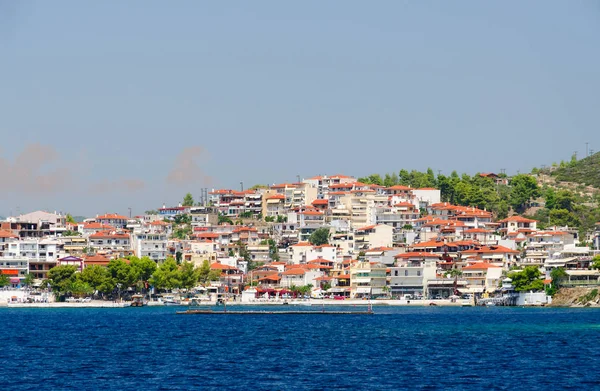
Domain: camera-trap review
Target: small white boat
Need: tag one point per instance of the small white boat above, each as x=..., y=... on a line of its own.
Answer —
x=170, y=300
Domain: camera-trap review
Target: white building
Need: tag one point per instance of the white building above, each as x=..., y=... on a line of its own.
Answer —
x=151, y=245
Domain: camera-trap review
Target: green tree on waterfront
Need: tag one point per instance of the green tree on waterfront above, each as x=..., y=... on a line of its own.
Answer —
x=166, y=275
x=189, y=275
x=142, y=268
x=98, y=278
x=4, y=280
x=320, y=236
x=122, y=273
x=527, y=280
x=206, y=274
x=80, y=288
x=61, y=279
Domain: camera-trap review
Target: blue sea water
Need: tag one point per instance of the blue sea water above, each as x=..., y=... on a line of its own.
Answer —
x=430, y=348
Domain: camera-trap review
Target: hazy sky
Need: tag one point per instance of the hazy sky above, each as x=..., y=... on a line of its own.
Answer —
x=114, y=104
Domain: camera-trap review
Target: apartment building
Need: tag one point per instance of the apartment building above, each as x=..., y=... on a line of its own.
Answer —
x=114, y=220
x=149, y=244
x=114, y=243
x=373, y=236
x=410, y=275
x=368, y=280
x=41, y=254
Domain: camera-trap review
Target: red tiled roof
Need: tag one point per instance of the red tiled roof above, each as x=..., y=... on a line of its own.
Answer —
x=294, y=272
x=490, y=250
x=7, y=234
x=109, y=235
x=417, y=254
x=220, y=266
x=112, y=216
x=517, y=219
x=479, y=266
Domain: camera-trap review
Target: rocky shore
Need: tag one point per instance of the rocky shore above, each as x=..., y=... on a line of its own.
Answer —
x=576, y=297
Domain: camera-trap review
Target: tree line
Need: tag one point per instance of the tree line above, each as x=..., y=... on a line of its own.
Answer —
x=465, y=190
x=132, y=274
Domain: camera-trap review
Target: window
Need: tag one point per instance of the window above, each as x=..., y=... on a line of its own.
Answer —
x=418, y=273
x=396, y=272
x=406, y=273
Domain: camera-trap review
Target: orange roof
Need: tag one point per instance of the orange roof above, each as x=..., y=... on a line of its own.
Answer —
x=7, y=234
x=294, y=272
x=417, y=254
x=477, y=231
x=272, y=277
x=207, y=235
x=379, y=249
x=398, y=187
x=97, y=260
x=109, y=235
x=311, y=213
x=343, y=277
x=320, y=202
x=220, y=266
x=404, y=204
x=159, y=222
x=490, y=249
x=517, y=219
x=366, y=228
x=112, y=216
x=430, y=243
x=427, y=188
x=302, y=244
x=276, y=197
x=479, y=266
x=95, y=225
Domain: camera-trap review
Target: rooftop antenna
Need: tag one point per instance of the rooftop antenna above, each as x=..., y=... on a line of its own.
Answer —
x=242, y=185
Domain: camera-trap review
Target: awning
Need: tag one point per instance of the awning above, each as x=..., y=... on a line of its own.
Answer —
x=9, y=272
x=15, y=280
x=362, y=289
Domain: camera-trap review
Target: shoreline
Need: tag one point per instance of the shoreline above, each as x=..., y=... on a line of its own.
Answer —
x=290, y=303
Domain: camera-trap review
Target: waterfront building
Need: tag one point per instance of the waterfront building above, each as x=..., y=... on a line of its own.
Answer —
x=15, y=268
x=368, y=280
x=41, y=254
x=482, y=277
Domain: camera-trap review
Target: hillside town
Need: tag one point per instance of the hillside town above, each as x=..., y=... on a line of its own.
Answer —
x=333, y=236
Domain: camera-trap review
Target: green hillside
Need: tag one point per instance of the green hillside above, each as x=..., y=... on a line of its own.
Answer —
x=585, y=171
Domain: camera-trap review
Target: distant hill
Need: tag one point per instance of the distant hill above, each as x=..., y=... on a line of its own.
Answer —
x=585, y=171
x=79, y=219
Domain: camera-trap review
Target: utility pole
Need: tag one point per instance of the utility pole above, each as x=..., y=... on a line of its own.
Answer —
x=129, y=212
x=242, y=185
x=298, y=177
x=586, y=149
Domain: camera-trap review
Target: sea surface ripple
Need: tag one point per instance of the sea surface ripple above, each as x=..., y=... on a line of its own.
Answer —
x=397, y=348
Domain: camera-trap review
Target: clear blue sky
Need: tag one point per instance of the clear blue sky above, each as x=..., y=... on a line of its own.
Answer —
x=114, y=104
